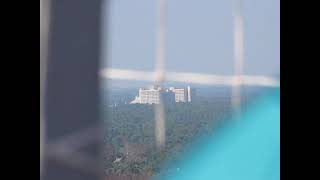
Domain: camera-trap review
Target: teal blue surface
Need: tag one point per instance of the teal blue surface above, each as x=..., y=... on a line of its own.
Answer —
x=246, y=149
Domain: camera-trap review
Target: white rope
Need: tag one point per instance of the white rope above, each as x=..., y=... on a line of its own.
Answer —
x=238, y=54
x=159, y=75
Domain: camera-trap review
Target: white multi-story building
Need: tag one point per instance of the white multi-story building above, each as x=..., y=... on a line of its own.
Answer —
x=181, y=94
x=152, y=95
x=147, y=96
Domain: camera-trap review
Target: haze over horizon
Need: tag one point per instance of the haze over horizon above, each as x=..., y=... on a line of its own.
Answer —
x=199, y=37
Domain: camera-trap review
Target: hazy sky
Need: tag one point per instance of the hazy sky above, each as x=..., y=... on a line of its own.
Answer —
x=199, y=36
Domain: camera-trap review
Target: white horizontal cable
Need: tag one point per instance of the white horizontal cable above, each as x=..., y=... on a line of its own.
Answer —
x=194, y=78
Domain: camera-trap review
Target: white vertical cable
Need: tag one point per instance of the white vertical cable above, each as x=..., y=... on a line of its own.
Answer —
x=238, y=54
x=160, y=125
x=44, y=30
x=160, y=56
x=160, y=75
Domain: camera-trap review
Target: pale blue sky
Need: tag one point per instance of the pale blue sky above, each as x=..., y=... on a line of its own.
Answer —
x=199, y=36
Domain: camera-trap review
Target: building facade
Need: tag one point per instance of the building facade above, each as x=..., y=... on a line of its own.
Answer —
x=149, y=96
x=181, y=95
x=171, y=95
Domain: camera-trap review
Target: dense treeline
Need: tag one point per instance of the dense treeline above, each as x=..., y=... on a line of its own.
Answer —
x=130, y=134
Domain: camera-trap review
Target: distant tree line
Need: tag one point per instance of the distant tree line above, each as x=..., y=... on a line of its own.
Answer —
x=130, y=134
